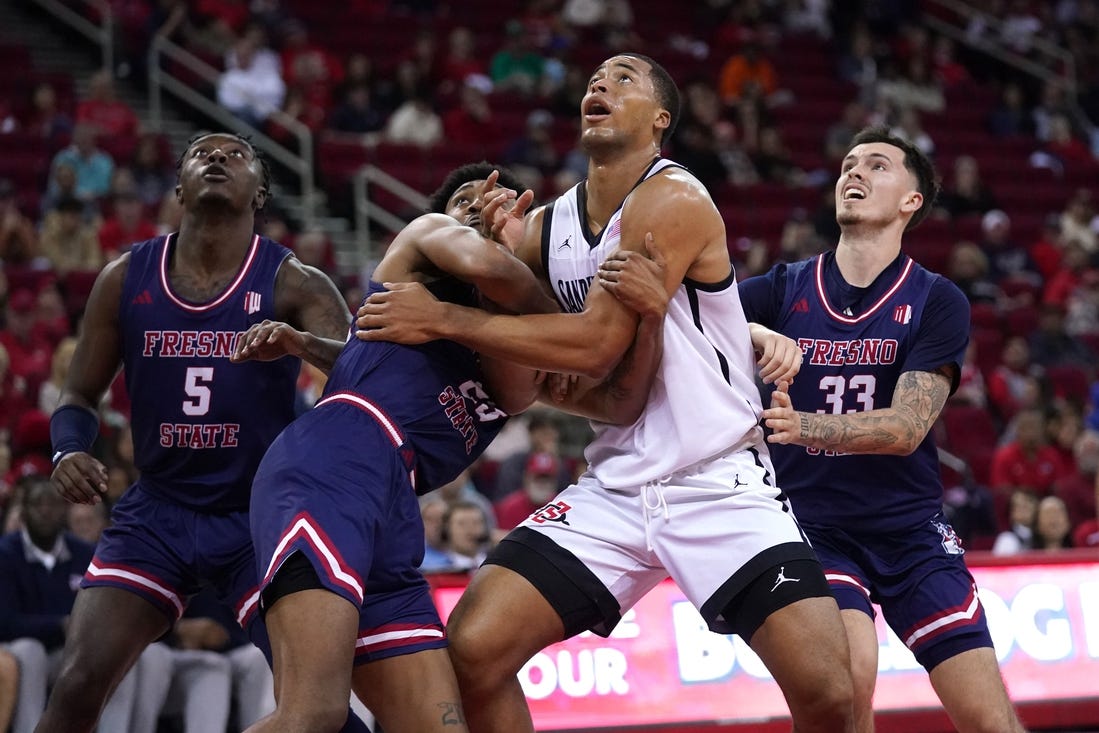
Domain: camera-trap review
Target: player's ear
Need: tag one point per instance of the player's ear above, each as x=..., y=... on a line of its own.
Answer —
x=912, y=202
x=260, y=199
x=663, y=119
x=179, y=193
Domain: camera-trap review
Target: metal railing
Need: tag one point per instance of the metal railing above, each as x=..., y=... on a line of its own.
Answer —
x=368, y=212
x=1049, y=61
x=102, y=34
x=160, y=81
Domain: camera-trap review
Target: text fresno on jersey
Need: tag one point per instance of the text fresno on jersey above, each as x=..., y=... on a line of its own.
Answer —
x=825, y=352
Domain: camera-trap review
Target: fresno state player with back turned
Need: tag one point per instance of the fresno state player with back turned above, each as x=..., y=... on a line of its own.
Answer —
x=172, y=312
x=884, y=340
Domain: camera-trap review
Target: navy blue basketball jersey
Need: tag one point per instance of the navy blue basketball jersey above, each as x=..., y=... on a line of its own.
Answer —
x=857, y=342
x=201, y=424
x=434, y=392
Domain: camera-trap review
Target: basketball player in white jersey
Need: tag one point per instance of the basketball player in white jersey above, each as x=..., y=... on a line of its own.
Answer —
x=687, y=490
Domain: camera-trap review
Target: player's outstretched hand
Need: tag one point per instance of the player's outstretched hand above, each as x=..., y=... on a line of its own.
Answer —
x=80, y=478
x=781, y=417
x=637, y=280
x=779, y=357
x=268, y=341
x=502, y=215
x=405, y=313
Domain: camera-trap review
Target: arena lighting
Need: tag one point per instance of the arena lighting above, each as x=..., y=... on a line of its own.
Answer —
x=662, y=668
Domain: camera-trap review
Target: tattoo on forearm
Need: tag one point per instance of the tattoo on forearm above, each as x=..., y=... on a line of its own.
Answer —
x=452, y=713
x=917, y=401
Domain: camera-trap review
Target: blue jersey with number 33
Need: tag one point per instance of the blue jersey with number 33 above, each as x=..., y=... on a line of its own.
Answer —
x=200, y=423
x=857, y=342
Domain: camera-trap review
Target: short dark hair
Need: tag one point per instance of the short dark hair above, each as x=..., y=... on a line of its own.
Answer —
x=265, y=168
x=917, y=163
x=667, y=93
x=466, y=173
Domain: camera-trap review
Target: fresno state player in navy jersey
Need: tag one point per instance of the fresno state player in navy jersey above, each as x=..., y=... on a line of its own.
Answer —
x=884, y=341
x=178, y=313
x=335, y=520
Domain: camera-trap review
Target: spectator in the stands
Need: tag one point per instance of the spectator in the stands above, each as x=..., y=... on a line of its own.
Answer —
x=127, y=225
x=533, y=153
x=1022, y=509
x=462, y=489
x=913, y=88
x=357, y=113
x=1068, y=275
x=45, y=116
x=251, y=87
x=29, y=351
x=1010, y=117
x=104, y=111
x=539, y=487
x=1082, y=308
x=415, y=122
x=1079, y=221
x=314, y=248
x=1051, y=346
x=1078, y=488
x=460, y=60
x=18, y=239
x=1052, y=530
x=1065, y=146
x=773, y=161
x=153, y=174
x=87, y=521
x=517, y=66
x=432, y=510
x=1047, y=249
x=908, y=126
x=1086, y=533
x=545, y=437
x=966, y=193
x=67, y=241
x=466, y=535
x=1006, y=257
x=14, y=401
x=858, y=64
x=1028, y=460
x=471, y=122
x=749, y=72
x=837, y=139
x=1012, y=385
x=971, y=383
x=92, y=166
x=968, y=269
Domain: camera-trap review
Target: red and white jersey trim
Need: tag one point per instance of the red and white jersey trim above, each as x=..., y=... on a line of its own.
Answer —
x=196, y=308
x=393, y=638
x=844, y=579
x=947, y=619
x=335, y=569
x=366, y=405
x=135, y=579
x=823, y=296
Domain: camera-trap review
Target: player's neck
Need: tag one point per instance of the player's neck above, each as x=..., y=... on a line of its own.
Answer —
x=212, y=246
x=862, y=254
x=612, y=178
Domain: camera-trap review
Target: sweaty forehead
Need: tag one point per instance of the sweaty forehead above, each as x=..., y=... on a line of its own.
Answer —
x=465, y=188
x=884, y=150
x=629, y=62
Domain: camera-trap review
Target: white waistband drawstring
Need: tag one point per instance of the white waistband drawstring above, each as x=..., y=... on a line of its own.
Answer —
x=657, y=488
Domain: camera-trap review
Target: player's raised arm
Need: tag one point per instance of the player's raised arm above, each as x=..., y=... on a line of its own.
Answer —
x=74, y=425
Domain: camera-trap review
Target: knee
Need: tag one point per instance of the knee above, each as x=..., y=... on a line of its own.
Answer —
x=478, y=656
x=829, y=708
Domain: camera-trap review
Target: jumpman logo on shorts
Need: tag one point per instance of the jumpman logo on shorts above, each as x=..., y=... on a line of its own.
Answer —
x=737, y=483
x=783, y=579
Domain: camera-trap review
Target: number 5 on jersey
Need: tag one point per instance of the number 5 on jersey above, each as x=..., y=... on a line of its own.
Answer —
x=195, y=386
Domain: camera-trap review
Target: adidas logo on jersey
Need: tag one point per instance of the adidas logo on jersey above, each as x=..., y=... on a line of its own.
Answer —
x=144, y=298
x=802, y=306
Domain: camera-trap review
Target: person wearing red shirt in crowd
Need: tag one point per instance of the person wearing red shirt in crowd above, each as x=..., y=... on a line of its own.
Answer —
x=460, y=61
x=1077, y=489
x=1028, y=461
x=29, y=353
x=104, y=110
x=126, y=224
x=471, y=122
x=1011, y=384
x=539, y=487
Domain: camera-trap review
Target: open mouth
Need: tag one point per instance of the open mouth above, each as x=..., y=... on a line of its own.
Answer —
x=853, y=193
x=215, y=173
x=595, y=109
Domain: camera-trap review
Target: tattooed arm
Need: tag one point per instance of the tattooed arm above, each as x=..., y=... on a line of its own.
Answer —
x=304, y=299
x=895, y=430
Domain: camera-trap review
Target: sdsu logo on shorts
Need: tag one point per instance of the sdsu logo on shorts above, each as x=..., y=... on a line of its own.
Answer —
x=554, y=512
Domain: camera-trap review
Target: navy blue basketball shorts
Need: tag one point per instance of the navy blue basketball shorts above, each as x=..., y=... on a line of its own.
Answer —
x=165, y=552
x=918, y=577
x=336, y=487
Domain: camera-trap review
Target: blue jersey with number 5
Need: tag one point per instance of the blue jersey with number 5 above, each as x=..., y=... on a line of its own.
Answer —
x=200, y=423
x=857, y=342
x=434, y=392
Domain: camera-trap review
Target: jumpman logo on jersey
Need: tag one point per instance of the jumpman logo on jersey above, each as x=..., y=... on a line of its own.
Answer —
x=783, y=579
x=737, y=483
x=567, y=244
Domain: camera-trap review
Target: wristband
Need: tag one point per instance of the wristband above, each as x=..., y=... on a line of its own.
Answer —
x=72, y=429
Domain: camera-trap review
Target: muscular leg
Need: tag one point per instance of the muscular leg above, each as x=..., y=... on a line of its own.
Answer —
x=805, y=649
x=313, y=641
x=108, y=630
x=973, y=693
x=412, y=692
x=500, y=622
x=862, y=638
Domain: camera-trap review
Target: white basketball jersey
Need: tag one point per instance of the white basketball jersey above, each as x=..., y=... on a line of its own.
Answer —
x=704, y=400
